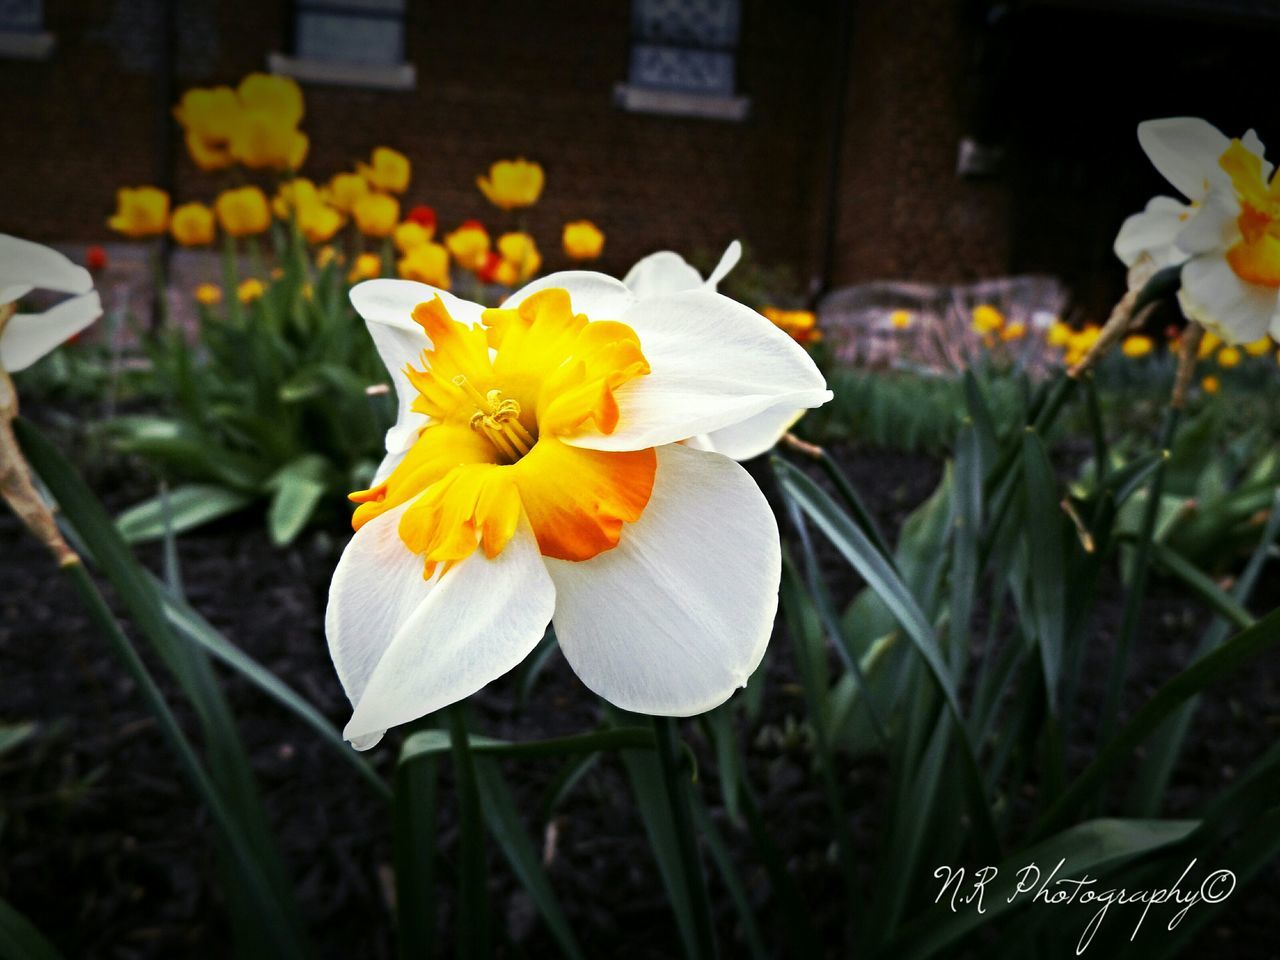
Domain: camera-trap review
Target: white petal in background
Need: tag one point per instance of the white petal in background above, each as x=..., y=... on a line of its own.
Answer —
x=405, y=649
x=1220, y=301
x=677, y=616
x=661, y=273
x=1154, y=232
x=28, y=337
x=753, y=436
x=26, y=266
x=714, y=363
x=1186, y=151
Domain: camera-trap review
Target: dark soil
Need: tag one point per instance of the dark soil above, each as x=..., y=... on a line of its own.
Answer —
x=105, y=849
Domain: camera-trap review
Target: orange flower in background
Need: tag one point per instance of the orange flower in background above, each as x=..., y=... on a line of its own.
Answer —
x=208, y=294
x=345, y=190
x=250, y=290
x=519, y=250
x=377, y=214
x=582, y=240
x=800, y=325
x=367, y=267
x=1137, y=346
x=498, y=270
x=192, y=225
x=1211, y=384
x=512, y=183
x=140, y=212
x=243, y=212
x=388, y=172
x=409, y=235
x=427, y=263
x=424, y=216
x=1013, y=331
x=469, y=245
x=325, y=256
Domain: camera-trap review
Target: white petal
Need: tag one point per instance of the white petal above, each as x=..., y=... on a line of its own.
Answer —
x=387, y=308
x=1154, y=232
x=1212, y=226
x=405, y=647
x=661, y=273
x=1253, y=143
x=729, y=260
x=1217, y=299
x=714, y=363
x=598, y=295
x=677, y=616
x=1186, y=151
x=29, y=336
x=30, y=265
x=755, y=435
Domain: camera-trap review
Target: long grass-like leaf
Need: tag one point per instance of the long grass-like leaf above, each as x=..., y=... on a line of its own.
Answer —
x=19, y=940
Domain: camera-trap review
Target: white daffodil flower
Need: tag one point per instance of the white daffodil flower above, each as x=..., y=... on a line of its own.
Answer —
x=1227, y=237
x=667, y=272
x=536, y=473
x=26, y=266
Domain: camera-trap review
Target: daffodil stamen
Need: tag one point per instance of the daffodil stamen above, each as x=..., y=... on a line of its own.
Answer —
x=498, y=419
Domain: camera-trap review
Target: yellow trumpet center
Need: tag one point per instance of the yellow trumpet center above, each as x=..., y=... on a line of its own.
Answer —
x=503, y=402
x=1255, y=257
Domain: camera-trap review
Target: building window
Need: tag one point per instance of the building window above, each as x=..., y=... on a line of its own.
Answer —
x=348, y=42
x=684, y=58
x=22, y=33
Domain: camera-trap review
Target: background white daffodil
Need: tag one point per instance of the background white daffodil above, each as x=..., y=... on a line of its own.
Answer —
x=658, y=563
x=667, y=272
x=1227, y=238
x=26, y=266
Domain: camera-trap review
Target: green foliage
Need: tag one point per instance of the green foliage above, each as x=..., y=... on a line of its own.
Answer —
x=268, y=407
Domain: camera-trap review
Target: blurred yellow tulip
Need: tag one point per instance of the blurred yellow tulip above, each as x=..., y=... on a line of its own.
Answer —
x=192, y=225
x=469, y=245
x=987, y=319
x=389, y=170
x=1259, y=348
x=409, y=235
x=366, y=267
x=1211, y=384
x=582, y=240
x=519, y=250
x=427, y=263
x=512, y=183
x=1137, y=345
x=376, y=214
x=270, y=93
x=209, y=294
x=243, y=211
x=140, y=212
x=1229, y=357
x=345, y=190
x=900, y=319
x=250, y=290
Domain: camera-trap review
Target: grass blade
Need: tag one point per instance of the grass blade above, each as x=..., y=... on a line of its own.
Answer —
x=19, y=940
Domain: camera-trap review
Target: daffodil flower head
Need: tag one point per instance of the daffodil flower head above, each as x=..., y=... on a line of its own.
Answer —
x=511, y=184
x=537, y=471
x=26, y=266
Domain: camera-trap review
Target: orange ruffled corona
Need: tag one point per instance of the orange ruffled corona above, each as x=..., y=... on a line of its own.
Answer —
x=494, y=447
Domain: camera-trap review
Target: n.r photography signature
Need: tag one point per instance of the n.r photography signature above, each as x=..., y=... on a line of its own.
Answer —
x=1052, y=890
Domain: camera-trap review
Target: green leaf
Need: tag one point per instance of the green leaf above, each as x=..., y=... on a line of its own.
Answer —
x=1202, y=586
x=189, y=506
x=298, y=488
x=504, y=823
x=1094, y=848
x=1045, y=562
x=13, y=735
x=428, y=742
x=416, y=831
x=19, y=940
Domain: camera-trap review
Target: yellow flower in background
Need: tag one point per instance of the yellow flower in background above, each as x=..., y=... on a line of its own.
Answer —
x=1059, y=334
x=192, y=225
x=243, y=211
x=427, y=263
x=140, y=212
x=411, y=234
x=1229, y=357
x=512, y=183
x=800, y=325
x=325, y=256
x=519, y=250
x=366, y=267
x=1208, y=344
x=987, y=319
x=209, y=118
x=900, y=319
x=209, y=294
x=269, y=93
x=1080, y=343
x=377, y=214
x=317, y=221
x=582, y=240
x=262, y=142
x=345, y=190
x=469, y=245
x=389, y=170
x=1258, y=348
x=1137, y=346
x=1013, y=331
x=1211, y=384
x=250, y=290
x=293, y=194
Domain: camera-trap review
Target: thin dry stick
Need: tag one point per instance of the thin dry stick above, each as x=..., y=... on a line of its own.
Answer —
x=16, y=488
x=1122, y=320
x=1187, y=357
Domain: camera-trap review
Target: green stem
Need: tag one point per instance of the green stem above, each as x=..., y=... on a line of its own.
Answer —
x=674, y=782
x=230, y=279
x=1138, y=585
x=473, y=894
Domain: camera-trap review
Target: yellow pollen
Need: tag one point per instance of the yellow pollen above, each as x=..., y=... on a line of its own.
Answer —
x=497, y=419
